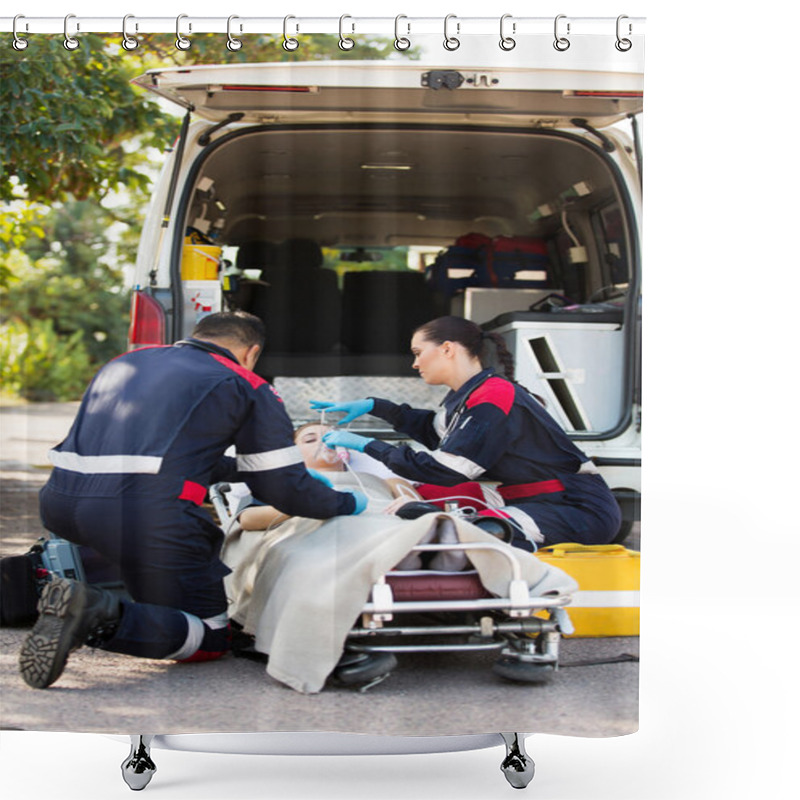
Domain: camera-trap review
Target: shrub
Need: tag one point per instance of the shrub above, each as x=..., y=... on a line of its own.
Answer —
x=38, y=365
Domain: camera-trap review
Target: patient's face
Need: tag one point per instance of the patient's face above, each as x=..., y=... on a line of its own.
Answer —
x=315, y=455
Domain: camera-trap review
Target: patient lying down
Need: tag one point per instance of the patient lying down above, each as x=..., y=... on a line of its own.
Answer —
x=386, y=495
x=298, y=584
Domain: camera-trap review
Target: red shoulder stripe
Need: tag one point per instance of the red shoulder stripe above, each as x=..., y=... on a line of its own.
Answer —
x=254, y=380
x=496, y=391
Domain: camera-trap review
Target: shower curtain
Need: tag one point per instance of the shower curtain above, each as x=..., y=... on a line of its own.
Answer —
x=503, y=186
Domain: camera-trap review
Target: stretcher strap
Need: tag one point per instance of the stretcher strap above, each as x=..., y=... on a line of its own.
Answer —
x=193, y=492
x=530, y=489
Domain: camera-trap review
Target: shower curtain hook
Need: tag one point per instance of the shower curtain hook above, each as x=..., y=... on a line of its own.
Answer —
x=561, y=43
x=506, y=42
x=345, y=43
x=128, y=42
x=19, y=43
x=401, y=42
x=70, y=42
x=181, y=42
x=451, y=42
x=233, y=44
x=623, y=45
x=289, y=44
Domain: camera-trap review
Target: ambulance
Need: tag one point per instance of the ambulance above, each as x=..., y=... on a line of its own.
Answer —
x=346, y=202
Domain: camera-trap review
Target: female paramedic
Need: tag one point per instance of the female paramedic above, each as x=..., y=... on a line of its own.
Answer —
x=493, y=429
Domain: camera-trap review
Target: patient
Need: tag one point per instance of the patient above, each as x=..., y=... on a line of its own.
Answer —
x=319, y=458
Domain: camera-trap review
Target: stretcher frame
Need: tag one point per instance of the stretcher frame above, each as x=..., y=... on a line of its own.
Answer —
x=528, y=645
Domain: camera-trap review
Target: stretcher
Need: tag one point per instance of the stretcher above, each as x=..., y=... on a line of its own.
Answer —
x=413, y=611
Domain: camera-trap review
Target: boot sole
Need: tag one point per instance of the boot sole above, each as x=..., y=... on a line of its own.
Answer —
x=45, y=650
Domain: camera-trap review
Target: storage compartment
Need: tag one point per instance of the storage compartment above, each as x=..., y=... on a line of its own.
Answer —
x=574, y=360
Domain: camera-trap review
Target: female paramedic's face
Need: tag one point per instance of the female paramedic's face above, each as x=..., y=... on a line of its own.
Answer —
x=430, y=360
x=315, y=454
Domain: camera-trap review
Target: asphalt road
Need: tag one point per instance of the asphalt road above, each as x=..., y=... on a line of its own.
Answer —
x=428, y=693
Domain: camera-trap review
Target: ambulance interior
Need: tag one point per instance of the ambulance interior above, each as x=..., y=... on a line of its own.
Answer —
x=345, y=239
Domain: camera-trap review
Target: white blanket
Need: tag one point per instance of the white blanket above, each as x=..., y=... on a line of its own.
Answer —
x=300, y=587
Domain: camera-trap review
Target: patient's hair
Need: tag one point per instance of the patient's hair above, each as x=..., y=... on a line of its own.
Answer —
x=236, y=326
x=472, y=337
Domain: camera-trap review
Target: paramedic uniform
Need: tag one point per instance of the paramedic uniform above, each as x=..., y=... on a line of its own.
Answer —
x=130, y=478
x=494, y=430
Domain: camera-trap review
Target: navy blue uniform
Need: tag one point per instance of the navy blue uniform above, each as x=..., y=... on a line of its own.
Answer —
x=130, y=478
x=495, y=430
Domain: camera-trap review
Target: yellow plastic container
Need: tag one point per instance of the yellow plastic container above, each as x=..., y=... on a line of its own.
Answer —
x=200, y=262
x=607, y=602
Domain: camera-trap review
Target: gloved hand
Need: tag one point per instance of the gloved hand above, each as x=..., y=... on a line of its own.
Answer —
x=360, y=498
x=352, y=441
x=353, y=408
x=321, y=476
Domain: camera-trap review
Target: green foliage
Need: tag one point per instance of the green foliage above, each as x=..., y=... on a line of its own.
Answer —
x=38, y=364
x=74, y=117
x=72, y=276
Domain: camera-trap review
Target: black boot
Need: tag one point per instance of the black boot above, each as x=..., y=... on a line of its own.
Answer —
x=70, y=613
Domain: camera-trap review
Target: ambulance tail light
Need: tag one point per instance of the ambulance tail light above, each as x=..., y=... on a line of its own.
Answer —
x=148, y=323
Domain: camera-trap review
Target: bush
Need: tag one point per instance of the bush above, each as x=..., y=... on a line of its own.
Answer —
x=38, y=365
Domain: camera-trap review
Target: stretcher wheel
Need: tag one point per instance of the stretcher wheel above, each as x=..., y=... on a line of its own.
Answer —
x=516, y=669
x=358, y=668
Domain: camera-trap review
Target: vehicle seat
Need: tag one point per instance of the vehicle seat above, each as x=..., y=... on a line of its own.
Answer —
x=254, y=255
x=299, y=302
x=381, y=310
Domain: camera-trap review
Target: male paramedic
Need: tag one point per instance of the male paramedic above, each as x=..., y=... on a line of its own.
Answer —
x=129, y=481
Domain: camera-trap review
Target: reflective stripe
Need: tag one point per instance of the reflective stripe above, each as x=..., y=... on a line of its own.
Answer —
x=216, y=623
x=104, y=465
x=194, y=638
x=270, y=459
x=458, y=464
x=606, y=599
x=588, y=468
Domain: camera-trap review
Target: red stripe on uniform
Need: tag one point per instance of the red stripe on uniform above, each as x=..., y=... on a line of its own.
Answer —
x=254, y=380
x=193, y=492
x=530, y=489
x=496, y=391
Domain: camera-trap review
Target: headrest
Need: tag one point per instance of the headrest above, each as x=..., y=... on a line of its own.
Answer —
x=300, y=255
x=256, y=255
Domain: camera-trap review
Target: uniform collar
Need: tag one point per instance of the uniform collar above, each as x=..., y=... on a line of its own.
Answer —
x=453, y=398
x=209, y=347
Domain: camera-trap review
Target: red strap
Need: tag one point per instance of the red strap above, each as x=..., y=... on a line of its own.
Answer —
x=437, y=494
x=193, y=492
x=530, y=489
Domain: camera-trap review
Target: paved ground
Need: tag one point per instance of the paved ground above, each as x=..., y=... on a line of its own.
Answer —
x=103, y=692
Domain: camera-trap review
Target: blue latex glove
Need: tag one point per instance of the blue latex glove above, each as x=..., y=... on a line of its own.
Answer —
x=352, y=441
x=353, y=408
x=360, y=498
x=321, y=476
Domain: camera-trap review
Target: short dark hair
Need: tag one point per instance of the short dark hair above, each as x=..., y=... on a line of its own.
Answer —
x=238, y=326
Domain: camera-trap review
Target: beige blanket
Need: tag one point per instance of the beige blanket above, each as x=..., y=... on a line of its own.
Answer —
x=300, y=587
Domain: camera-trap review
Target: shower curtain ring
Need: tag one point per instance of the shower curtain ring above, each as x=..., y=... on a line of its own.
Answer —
x=506, y=42
x=401, y=42
x=451, y=42
x=623, y=45
x=19, y=43
x=233, y=44
x=128, y=42
x=561, y=43
x=345, y=43
x=181, y=42
x=289, y=44
x=70, y=42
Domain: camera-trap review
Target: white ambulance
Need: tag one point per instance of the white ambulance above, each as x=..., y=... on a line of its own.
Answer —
x=345, y=203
